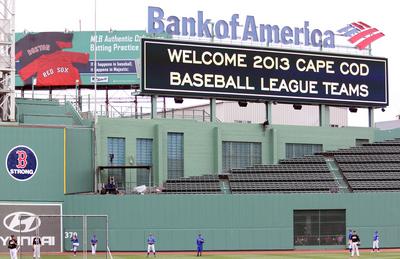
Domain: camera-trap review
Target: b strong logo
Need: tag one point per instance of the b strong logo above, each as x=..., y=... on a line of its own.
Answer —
x=21, y=163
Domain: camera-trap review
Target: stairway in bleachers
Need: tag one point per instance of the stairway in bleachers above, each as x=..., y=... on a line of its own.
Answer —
x=370, y=167
x=225, y=186
x=337, y=175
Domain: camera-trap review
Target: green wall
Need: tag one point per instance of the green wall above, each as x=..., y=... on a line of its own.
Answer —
x=382, y=135
x=48, y=144
x=47, y=183
x=203, y=141
x=232, y=222
x=79, y=168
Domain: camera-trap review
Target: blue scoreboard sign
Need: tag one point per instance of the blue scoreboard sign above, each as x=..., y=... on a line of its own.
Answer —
x=191, y=69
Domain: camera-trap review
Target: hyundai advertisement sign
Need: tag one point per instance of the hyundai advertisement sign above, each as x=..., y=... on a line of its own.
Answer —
x=231, y=72
x=22, y=221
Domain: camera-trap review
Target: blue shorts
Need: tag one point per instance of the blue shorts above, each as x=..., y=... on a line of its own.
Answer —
x=199, y=248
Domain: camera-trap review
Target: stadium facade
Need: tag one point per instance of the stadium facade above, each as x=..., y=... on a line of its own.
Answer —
x=64, y=147
x=234, y=191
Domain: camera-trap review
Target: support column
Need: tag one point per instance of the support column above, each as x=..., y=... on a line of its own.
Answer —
x=107, y=103
x=274, y=146
x=213, y=110
x=268, y=112
x=154, y=106
x=324, y=118
x=371, y=120
x=80, y=104
x=159, y=169
x=217, y=151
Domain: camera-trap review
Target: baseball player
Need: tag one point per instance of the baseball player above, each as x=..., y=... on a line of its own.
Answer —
x=349, y=237
x=375, y=243
x=199, y=242
x=355, y=242
x=151, y=240
x=75, y=243
x=36, y=243
x=93, y=241
x=12, y=246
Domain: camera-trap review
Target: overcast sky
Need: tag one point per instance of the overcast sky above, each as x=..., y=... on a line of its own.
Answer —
x=57, y=15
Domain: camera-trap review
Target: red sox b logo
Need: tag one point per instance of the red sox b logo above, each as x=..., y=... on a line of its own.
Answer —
x=22, y=159
x=21, y=163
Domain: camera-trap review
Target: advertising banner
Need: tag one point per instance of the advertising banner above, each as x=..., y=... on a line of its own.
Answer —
x=20, y=220
x=58, y=59
x=175, y=68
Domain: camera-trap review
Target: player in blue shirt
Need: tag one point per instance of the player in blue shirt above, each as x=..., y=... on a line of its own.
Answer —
x=199, y=242
x=93, y=242
x=375, y=243
x=75, y=243
x=151, y=240
x=349, y=236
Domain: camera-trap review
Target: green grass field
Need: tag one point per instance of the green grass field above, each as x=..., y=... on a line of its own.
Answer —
x=364, y=254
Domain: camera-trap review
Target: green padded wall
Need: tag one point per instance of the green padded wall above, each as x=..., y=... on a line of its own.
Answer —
x=232, y=222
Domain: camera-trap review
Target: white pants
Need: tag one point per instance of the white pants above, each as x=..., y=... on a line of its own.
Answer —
x=151, y=248
x=36, y=251
x=75, y=247
x=375, y=244
x=13, y=253
x=354, y=249
x=94, y=249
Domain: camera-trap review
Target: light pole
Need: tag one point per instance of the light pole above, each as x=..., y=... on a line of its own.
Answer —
x=76, y=93
x=95, y=61
x=33, y=87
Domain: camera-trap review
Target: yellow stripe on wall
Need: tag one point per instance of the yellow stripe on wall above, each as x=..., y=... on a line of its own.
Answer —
x=65, y=160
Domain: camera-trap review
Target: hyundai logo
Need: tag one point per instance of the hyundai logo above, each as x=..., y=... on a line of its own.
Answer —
x=21, y=222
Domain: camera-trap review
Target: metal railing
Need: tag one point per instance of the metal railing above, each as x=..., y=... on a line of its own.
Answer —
x=138, y=107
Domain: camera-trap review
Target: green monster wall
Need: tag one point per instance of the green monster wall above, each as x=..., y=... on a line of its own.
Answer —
x=232, y=222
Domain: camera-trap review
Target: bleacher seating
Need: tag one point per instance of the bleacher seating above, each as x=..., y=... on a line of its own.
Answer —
x=315, y=159
x=371, y=167
x=370, y=149
x=294, y=186
x=194, y=184
x=304, y=176
x=385, y=158
x=279, y=177
x=283, y=168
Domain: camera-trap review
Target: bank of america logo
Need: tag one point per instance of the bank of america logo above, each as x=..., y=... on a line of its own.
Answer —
x=360, y=34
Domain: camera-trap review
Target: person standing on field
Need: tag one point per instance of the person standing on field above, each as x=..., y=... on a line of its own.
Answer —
x=12, y=246
x=36, y=244
x=75, y=243
x=349, y=237
x=355, y=242
x=375, y=242
x=151, y=240
x=93, y=242
x=199, y=242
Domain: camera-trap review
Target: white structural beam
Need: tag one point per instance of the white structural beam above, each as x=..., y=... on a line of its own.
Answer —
x=7, y=60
